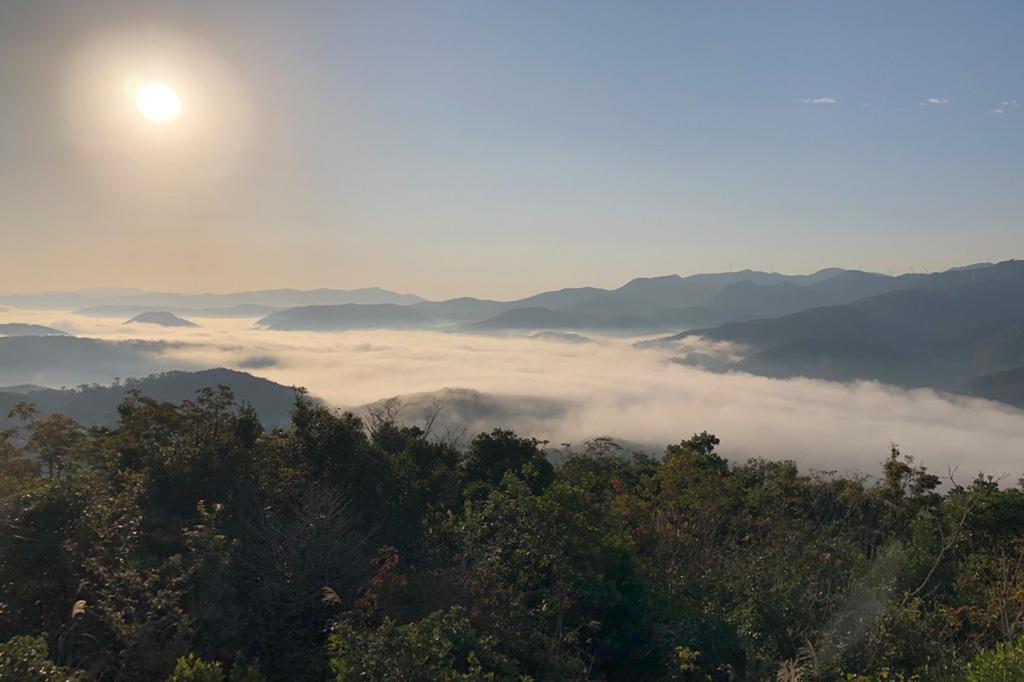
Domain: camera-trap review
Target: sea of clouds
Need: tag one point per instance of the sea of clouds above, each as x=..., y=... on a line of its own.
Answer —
x=569, y=392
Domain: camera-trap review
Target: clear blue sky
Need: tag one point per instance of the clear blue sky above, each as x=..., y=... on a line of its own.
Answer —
x=497, y=149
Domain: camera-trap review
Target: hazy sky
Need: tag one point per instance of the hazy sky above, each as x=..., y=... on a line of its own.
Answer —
x=498, y=149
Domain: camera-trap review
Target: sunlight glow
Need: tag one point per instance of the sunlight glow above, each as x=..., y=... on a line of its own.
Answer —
x=158, y=102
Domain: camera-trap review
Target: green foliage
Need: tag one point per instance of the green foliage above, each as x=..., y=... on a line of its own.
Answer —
x=24, y=659
x=1004, y=663
x=442, y=646
x=55, y=440
x=194, y=669
x=493, y=455
x=245, y=673
x=188, y=542
x=191, y=668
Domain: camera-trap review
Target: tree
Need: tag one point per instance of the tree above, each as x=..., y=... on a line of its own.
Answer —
x=442, y=646
x=492, y=455
x=1005, y=663
x=24, y=659
x=54, y=439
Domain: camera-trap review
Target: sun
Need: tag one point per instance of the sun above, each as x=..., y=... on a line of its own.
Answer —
x=158, y=102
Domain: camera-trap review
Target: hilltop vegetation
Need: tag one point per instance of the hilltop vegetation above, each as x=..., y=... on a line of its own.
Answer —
x=187, y=542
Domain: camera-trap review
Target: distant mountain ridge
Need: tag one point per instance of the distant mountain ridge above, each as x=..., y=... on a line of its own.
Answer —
x=961, y=330
x=642, y=305
x=69, y=361
x=235, y=311
x=1006, y=386
x=277, y=298
x=344, y=317
x=96, y=405
x=22, y=329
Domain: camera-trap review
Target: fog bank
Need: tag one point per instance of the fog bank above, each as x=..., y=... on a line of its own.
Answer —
x=567, y=392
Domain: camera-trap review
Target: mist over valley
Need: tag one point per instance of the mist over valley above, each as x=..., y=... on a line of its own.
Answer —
x=876, y=358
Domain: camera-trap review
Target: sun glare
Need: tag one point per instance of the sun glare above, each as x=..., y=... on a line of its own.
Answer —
x=158, y=102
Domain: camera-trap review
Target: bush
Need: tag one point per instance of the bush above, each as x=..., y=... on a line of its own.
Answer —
x=1005, y=663
x=24, y=659
x=442, y=646
x=191, y=668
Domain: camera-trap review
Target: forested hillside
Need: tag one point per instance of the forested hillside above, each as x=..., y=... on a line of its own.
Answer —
x=96, y=405
x=189, y=543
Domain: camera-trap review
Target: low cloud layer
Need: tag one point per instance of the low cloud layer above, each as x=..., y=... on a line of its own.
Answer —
x=569, y=392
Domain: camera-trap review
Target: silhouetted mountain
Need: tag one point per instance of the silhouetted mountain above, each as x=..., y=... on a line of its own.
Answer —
x=840, y=358
x=284, y=298
x=22, y=388
x=53, y=300
x=97, y=405
x=349, y=316
x=633, y=308
x=642, y=305
x=162, y=318
x=1006, y=386
x=747, y=300
x=20, y=329
x=122, y=311
x=647, y=302
x=849, y=285
x=560, y=299
x=464, y=309
x=705, y=299
x=468, y=309
x=535, y=317
x=949, y=312
x=561, y=337
x=973, y=266
x=943, y=331
x=69, y=361
x=831, y=321
x=645, y=295
x=745, y=295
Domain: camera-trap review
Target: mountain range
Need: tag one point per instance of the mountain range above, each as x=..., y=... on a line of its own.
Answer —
x=22, y=329
x=962, y=331
x=71, y=361
x=141, y=301
x=643, y=305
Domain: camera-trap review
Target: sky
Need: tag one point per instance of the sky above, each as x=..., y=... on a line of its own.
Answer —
x=500, y=149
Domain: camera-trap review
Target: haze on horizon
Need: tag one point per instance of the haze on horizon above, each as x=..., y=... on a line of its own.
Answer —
x=500, y=150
